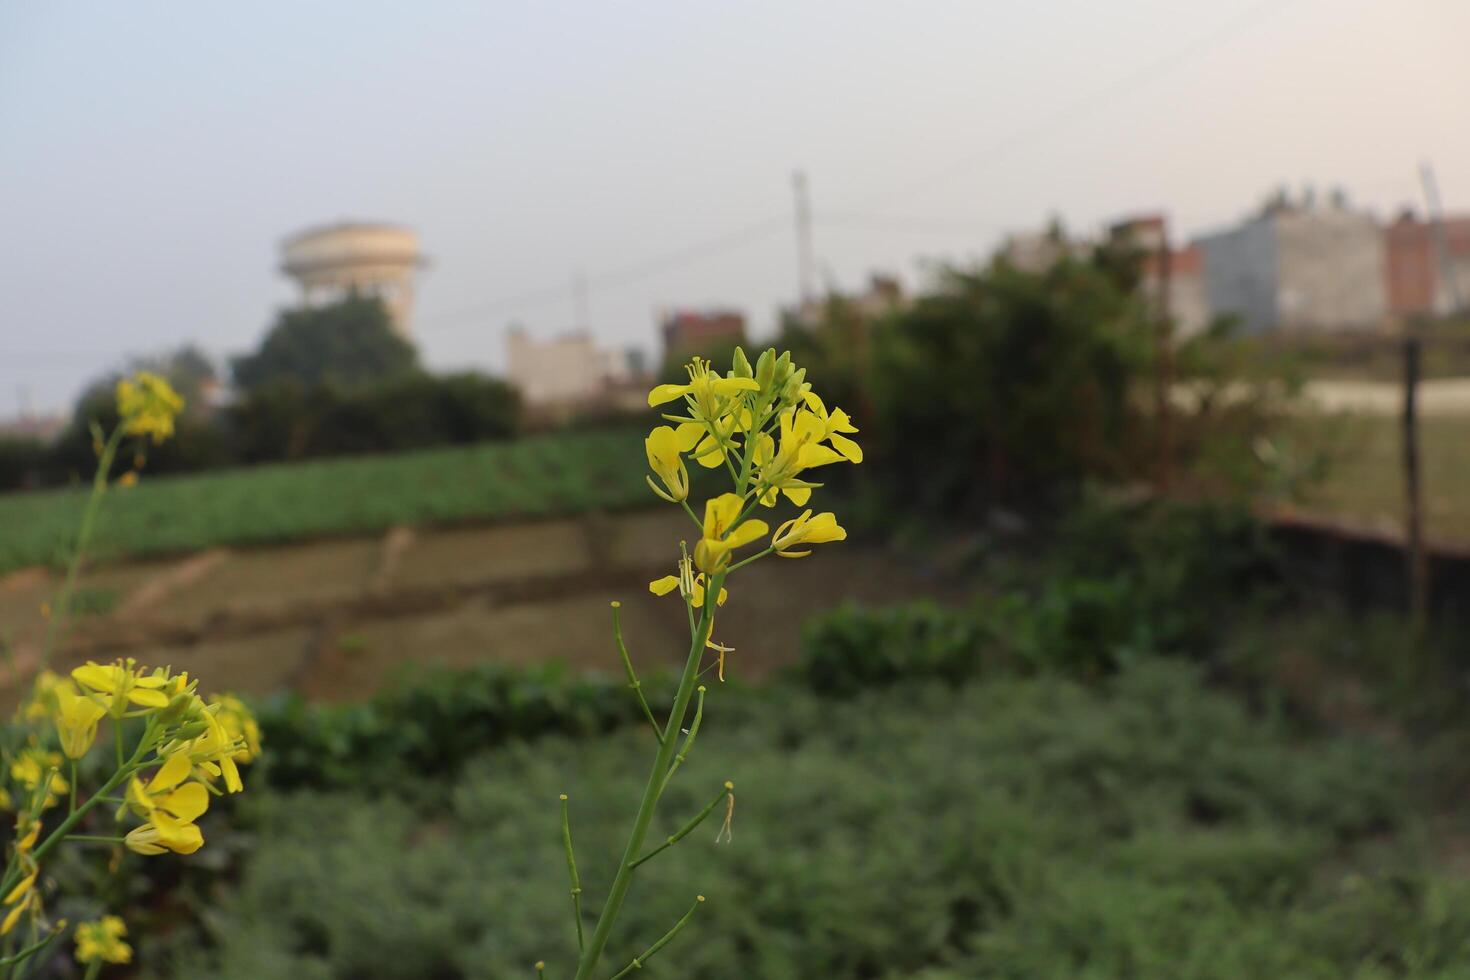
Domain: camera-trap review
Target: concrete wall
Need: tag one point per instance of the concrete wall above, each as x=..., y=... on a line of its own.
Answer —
x=1330, y=271
x=1240, y=274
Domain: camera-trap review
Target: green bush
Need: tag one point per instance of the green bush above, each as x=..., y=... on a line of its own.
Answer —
x=852, y=649
x=1145, y=827
x=429, y=727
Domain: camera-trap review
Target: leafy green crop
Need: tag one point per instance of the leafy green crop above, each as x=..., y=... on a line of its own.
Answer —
x=1143, y=827
x=546, y=475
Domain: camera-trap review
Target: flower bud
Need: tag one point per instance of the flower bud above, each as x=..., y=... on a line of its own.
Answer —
x=740, y=367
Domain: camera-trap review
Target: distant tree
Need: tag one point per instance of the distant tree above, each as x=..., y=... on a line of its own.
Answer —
x=349, y=342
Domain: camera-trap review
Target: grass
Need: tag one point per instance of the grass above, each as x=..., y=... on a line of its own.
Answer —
x=539, y=476
x=1144, y=827
x=1365, y=479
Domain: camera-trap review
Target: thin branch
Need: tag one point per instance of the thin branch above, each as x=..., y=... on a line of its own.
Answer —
x=566, y=839
x=688, y=740
x=689, y=827
x=639, y=961
x=633, y=681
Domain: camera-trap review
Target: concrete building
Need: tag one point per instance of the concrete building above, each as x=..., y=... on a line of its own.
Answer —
x=330, y=261
x=1417, y=282
x=1300, y=268
x=689, y=332
x=569, y=370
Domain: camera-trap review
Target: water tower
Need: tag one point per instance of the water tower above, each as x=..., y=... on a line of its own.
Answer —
x=368, y=258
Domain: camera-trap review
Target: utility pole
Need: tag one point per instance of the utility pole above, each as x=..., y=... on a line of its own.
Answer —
x=1418, y=561
x=1441, y=247
x=579, y=295
x=805, y=261
x=1164, y=369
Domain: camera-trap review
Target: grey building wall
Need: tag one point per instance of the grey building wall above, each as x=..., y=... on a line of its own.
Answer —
x=1240, y=273
x=1330, y=272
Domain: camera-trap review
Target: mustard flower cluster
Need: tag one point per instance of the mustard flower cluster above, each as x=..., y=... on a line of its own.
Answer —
x=769, y=431
x=148, y=405
x=172, y=751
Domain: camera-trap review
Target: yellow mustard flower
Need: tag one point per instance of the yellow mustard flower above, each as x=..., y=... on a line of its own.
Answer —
x=128, y=479
x=708, y=393
x=721, y=534
x=237, y=721
x=148, y=405
x=778, y=468
x=833, y=425
x=665, y=447
x=667, y=584
x=33, y=764
x=102, y=941
x=76, y=720
x=806, y=529
x=170, y=809
x=42, y=702
x=125, y=684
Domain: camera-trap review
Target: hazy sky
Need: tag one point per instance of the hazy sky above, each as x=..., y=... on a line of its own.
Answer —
x=152, y=155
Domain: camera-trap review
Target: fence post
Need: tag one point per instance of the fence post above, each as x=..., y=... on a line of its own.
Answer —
x=1418, y=562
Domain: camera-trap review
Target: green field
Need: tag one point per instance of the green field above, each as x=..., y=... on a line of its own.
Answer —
x=532, y=477
x=1364, y=482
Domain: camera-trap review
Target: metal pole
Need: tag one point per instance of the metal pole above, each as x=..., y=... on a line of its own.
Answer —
x=805, y=262
x=1418, y=564
x=1164, y=371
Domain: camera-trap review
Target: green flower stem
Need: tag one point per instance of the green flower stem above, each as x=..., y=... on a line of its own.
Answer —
x=688, y=740
x=566, y=839
x=689, y=827
x=633, y=681
x=639, y=961
x=93, y=839
x=692, y=516
x=93, y=968
x=62, y=607
x=624, y=878
x=746, y=561
x=72, y=805
x=32, y=949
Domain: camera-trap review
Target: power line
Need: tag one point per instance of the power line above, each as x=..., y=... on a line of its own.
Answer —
x=617, y=277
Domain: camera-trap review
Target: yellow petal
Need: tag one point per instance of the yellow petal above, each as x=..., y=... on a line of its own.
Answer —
x=666, y=393
x=746, y=533
x=20, y=889
x=148, y=699
x=174, y=770
x=663, y=586
x=97, y=677
x=848, y=449
x=687, y=435
x=188, y=802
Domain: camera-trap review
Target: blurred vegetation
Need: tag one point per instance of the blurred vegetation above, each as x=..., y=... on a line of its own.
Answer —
x=1036, y=385
x=1144, y=826
x=326, y=382
x=349, y=342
